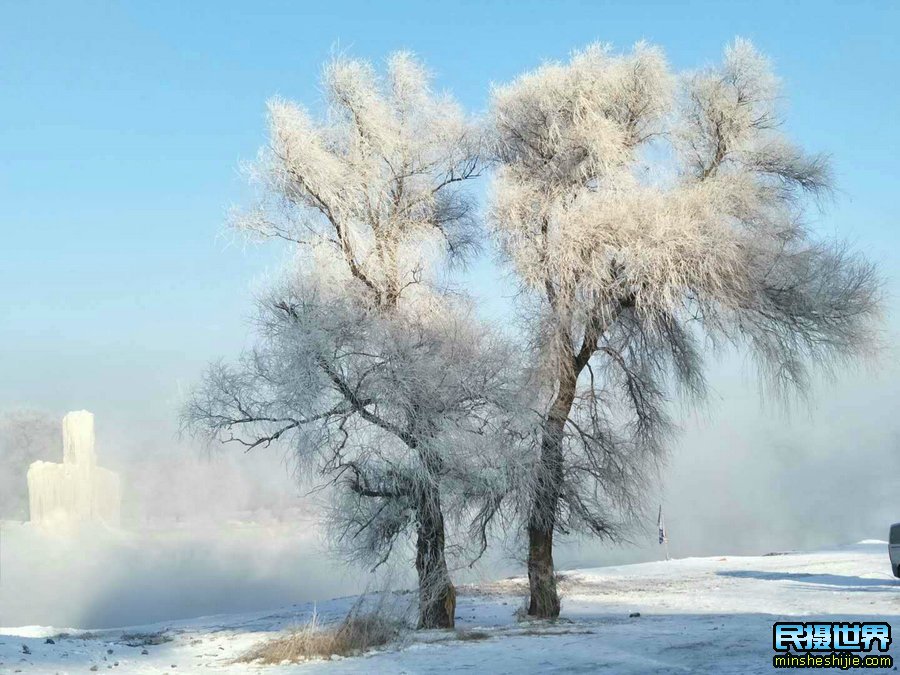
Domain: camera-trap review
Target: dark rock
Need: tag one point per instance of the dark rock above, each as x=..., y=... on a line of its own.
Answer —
x=49, y=641
x=145, y=639
x=634, y=615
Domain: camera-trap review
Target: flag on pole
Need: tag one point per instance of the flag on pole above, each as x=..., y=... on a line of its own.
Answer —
x=661, y=525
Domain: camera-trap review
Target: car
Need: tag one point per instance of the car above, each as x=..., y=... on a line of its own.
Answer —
x=894, y=549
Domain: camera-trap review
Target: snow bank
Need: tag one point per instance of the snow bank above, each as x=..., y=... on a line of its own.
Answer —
x=697, y=615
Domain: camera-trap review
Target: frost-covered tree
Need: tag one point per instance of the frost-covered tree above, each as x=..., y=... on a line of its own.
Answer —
x=648, y=216
x=382, y=382
x=25, y=437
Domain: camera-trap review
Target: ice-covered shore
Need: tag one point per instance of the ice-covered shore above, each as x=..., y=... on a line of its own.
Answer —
x=696, y=615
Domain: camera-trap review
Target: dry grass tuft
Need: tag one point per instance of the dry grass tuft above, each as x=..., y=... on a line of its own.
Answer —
x=356, y=634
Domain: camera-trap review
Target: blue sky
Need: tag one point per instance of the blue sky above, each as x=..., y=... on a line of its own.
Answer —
x=123, y=124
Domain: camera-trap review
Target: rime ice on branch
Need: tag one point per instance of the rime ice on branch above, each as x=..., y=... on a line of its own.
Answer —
x=77, y=489
x=385, y=384
x=651, y=218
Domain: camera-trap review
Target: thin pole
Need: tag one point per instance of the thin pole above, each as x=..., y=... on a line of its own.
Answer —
x=661, y=527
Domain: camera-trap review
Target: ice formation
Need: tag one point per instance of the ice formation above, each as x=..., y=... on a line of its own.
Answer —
x=77, y=489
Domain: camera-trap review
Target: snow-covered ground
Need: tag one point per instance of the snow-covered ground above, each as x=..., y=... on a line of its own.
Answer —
x=706, y=615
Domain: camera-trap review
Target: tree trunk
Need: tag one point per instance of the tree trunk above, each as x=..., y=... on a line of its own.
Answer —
x=437, y=597
x=544, y=602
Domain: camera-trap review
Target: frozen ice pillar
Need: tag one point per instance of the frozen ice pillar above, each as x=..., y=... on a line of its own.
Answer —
x=77, y=489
